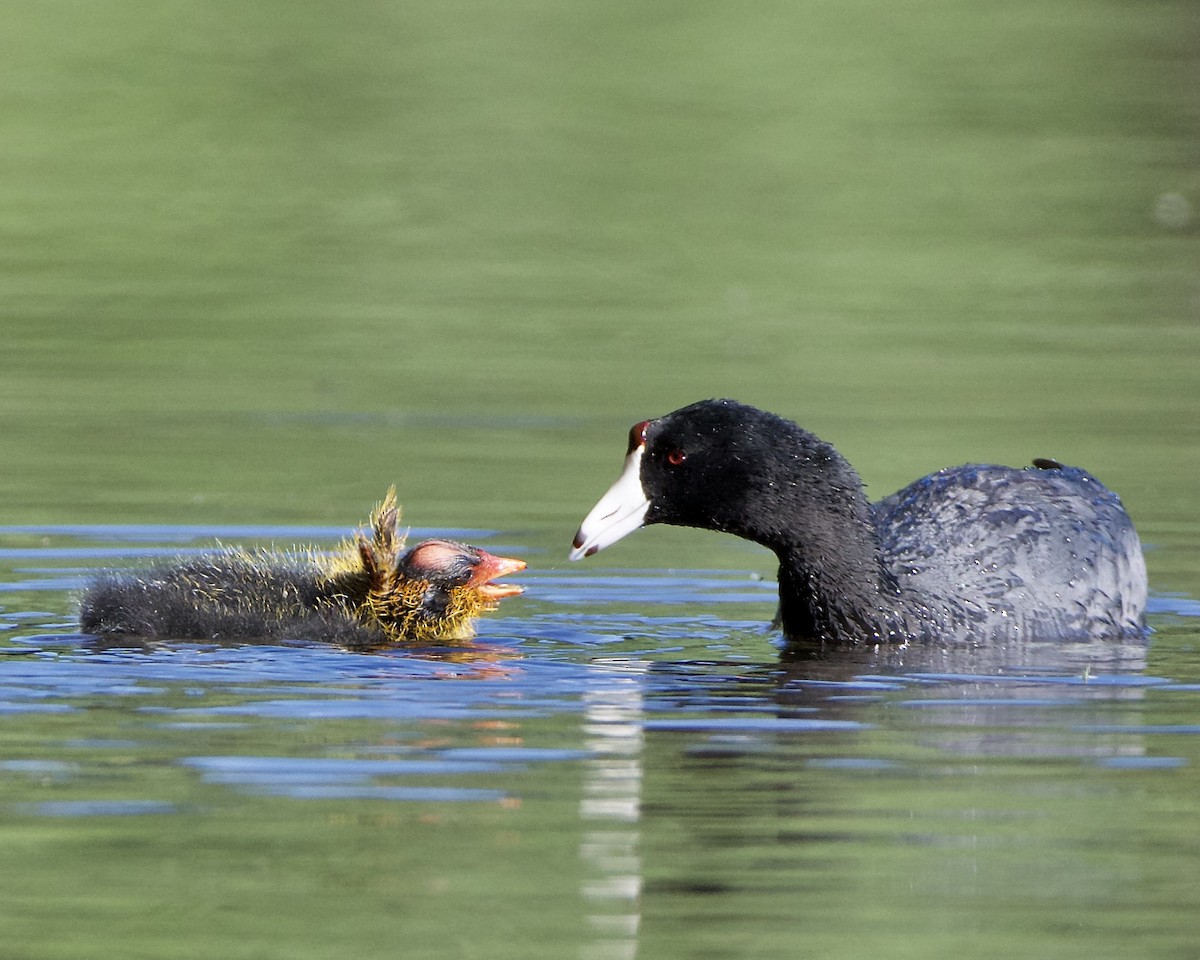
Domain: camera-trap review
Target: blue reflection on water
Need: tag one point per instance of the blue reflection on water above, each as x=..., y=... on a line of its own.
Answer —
x=570, y=648
x=765, y=725
x=183, y=533
x=95, y=808
x=1142, y=763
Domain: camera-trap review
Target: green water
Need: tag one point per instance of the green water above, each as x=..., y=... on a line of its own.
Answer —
x=261, y=260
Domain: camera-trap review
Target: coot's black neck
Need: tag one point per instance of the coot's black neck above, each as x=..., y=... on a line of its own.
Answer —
x=833, y=585
x=859, y=604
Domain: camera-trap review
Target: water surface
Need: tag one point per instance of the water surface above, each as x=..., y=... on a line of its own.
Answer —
x=624, y=764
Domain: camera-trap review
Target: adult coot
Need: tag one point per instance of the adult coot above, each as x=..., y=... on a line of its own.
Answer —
x=366, y=593
x=970, y=553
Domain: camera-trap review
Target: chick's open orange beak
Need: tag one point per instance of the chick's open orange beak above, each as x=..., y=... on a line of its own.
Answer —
x=492, y=567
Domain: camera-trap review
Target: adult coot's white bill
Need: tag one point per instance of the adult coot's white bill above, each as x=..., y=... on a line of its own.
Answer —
x=976, y=552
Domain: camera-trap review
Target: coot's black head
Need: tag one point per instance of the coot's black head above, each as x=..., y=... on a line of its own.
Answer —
x=717, y=464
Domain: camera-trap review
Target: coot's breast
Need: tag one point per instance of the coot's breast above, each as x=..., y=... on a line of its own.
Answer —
x=996, y=552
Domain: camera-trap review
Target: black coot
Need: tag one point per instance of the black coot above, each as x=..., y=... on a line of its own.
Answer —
x=966, y=554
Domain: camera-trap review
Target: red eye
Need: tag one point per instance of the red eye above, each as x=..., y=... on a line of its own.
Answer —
x=676, y=457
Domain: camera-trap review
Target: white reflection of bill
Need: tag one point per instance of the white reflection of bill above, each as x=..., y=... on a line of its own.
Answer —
x=611, y=807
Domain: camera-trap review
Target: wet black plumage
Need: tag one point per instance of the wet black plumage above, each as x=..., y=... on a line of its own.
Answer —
x=367, y=592
x=972, y=553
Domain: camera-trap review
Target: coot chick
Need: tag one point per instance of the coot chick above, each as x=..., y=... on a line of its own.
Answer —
x=367, y=593
x=972, y=553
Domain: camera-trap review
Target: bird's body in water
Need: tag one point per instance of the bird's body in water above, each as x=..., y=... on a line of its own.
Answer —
x=968, y=554
x=366, y=593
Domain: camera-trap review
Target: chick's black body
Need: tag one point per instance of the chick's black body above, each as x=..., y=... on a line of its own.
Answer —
x=978, y=552
x=366, y=593
x=226, y=595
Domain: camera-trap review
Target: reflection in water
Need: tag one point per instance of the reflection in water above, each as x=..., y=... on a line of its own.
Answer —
x=991, y=701
x=611, y=806
x=905, y=795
